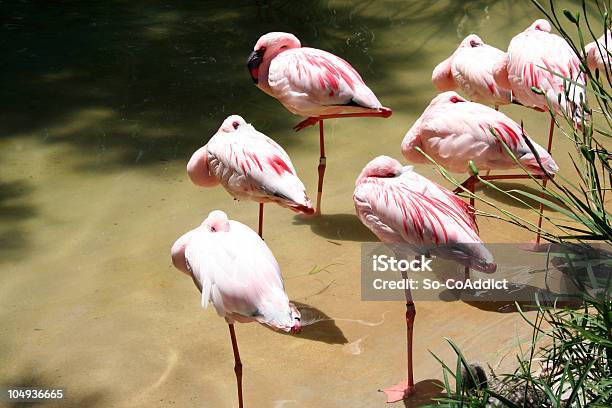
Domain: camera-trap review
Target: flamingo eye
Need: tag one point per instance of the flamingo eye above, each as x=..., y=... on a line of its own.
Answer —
x=212, y=229
x=473, y=43
x=455, y=99
x=235, y=124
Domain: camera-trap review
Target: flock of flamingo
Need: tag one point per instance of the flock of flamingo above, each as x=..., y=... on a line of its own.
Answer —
x=233, y=267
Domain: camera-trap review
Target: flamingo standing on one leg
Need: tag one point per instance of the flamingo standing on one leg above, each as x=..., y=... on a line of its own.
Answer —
x=470, y=69
x=402, y=207
x=312, y=83
x=235, y=270
x=249, y=165
x=536, y=58
x=454, y=131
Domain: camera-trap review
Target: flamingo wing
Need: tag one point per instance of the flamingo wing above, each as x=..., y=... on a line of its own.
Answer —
x=239, y=275
x=473, y=69
x=417, y=211
x=454, y=136
x=321, y=77
x=412, y=210
x=250, y=164
x=536, y=59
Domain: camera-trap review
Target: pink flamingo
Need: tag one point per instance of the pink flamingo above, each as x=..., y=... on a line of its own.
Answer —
x=402, y=207
x=312, y=83
x=235, y=270
x=597, y=54
x=454, y=132
x=536, y=58
x=470, y=69
x=249, y=165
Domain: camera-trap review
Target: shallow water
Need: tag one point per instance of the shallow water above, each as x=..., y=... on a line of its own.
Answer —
x=103, y=107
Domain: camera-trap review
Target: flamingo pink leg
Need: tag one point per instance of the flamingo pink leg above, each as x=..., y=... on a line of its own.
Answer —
x=551, y=130
x=471, y=189
x=405, y=388
x=321, y=168
x=470, y=184
x=261, y=216
x=382, y=113
x=237, y=364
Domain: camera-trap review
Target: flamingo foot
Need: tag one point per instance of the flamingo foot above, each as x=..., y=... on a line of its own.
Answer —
x=399, y=392
x=311, y=121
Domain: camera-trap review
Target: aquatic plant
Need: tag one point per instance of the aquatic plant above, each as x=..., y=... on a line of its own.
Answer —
x=568, y=361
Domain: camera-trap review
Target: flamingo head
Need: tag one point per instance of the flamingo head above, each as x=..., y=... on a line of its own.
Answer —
x=267, y=47
x=232, y=124
x=216, y=221
x=296, y=318
x=471, y=41
x=381, y=167
x=446, y=98
x=540, y=25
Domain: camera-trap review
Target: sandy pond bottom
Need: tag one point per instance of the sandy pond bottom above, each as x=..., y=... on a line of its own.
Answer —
x=96, y=307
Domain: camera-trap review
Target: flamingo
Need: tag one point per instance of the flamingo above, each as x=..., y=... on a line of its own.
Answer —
x=311, y=83
x=597, y=52
x=454, y=132
x=535, y=58
x=249, y=165
x=402, y=207
x=235, y=270
x=470, y=69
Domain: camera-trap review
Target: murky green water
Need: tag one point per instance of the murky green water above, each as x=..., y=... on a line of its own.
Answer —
x=103, y=105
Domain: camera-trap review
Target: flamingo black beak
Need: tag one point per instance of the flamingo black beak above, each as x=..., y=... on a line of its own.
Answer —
x=253, y=63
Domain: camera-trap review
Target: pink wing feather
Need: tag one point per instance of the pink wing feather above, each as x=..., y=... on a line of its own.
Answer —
x=533, y=54
x=312, y=82
x=455, y=133
x=251, y=165
x=239, y=275
x=409, y=209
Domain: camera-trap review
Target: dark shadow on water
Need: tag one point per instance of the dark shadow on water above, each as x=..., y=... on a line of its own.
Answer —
x=317, y=326
x=136, y=83
x=11, y=192
x=490, y=302
x=426, y=391
x=14, y=210
x=509, y=201
x=340, y=227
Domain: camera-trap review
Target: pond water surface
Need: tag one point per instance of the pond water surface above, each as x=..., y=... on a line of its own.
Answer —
x=104, y=104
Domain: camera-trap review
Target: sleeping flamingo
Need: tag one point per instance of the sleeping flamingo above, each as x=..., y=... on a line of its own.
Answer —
x=235, y=270
x=470, y=69
x=402, y=207
x=536, y=58
x=454, y=132
x=312, y=83
x=597, y=54
x=249, y=165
